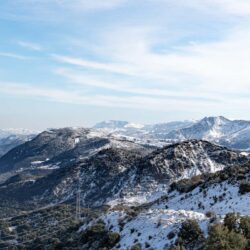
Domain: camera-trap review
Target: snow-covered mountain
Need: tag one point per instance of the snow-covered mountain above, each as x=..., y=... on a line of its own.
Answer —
x=154, y=134
x=112, y=124
x=11, y=138
x=126, y=171
x=128, y=188
x=124, y=126
x=220, y=130
x=56, y=148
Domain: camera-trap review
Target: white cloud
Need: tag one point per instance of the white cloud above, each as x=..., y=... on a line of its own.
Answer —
x=122, y=69
x=231, y=7
x=14, y=56
x=215, y=68
x=236, y=7
x=142, y=67
x=76, y=97
x=29, y=45
x=53, y=10
x=119, y=85
x=86, y=5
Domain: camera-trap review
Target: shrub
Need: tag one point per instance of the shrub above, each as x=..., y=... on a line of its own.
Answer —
x=221, y=238
x=112, y=239
x=190, y=232
x=171, y=235
x=231, y=221
x=244, y=187
x=177, y=247
x=190, y=236
x=98, y=237
x=136, y=247
x=210, y=214
x=245, y=226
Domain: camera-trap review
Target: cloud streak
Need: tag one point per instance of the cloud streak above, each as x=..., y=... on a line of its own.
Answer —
x=29, y=45
x=118, y=85
x=215, y=68
x=14, y=56
x=184, y=56
x=76, y=97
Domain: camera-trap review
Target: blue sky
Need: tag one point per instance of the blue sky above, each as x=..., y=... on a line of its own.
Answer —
x=76, y=62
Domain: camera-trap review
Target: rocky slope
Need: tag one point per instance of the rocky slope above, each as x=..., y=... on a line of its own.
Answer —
x=117, y=174
x=134, y=196
x=206, y=199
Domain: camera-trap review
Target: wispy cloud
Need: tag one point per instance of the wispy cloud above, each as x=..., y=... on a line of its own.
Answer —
x=29, y=45
x=188, y=56
x=76, y=97
x=236, y=7
x=222, y=7
x=116, y=68
x=119, y=85
x=14, y=56
x=86, y=5
x=220, y=66
x=54, y=10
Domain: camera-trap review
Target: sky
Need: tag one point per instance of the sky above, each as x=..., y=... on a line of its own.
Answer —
x=77, y=62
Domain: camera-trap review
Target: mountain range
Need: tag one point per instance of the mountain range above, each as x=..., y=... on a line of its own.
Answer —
x=136, y=182
x=234, y=134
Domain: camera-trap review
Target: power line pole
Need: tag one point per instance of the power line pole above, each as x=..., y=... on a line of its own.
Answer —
x=78, y=201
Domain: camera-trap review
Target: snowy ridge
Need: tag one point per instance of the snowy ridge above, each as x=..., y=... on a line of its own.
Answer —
x=220, y=130
x=118, y=174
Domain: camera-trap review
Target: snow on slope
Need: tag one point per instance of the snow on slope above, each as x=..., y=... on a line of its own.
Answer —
x=220, y=198
x=134, y=125
x=150, y=228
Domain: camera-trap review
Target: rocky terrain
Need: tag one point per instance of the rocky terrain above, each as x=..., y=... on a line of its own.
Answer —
x=133, y=195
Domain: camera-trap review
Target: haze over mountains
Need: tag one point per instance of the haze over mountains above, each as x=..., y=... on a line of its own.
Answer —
x=127, y=174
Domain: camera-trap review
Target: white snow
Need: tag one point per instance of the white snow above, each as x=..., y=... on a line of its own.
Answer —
x=36, y=162
x=227, y=196
x=134, y=125
x=152, y=226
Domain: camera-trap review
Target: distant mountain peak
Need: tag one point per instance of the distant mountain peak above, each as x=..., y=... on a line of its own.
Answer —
x=111, y=124
x=214, y=120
